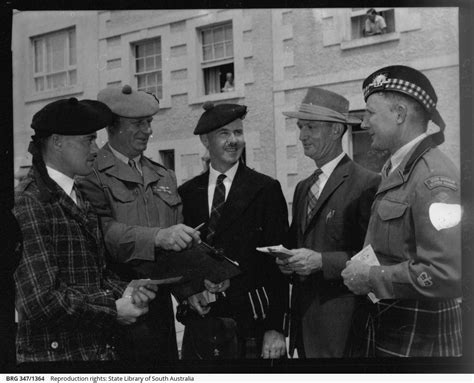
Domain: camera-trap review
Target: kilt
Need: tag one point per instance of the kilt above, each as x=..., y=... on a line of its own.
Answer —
x=416, y=328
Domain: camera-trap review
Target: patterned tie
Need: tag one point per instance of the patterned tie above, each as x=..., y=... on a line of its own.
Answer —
x=312, y=195
x=79, y=201
x=134, y=166
x=217, y=207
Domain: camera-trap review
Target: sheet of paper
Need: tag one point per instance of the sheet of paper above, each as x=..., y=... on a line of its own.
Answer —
x=367, y=255
x=277, y=251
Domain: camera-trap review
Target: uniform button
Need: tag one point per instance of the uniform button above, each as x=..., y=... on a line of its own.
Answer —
x=108, y=291
x=54, y=345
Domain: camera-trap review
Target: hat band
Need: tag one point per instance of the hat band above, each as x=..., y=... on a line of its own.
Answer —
x=403, y=86
x=323, y=112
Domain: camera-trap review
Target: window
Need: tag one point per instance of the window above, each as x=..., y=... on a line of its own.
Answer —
x=359, y=15
x=148, y=69
x=55, y=64
x=218, y=58
x=362, y=152
x=167, y=158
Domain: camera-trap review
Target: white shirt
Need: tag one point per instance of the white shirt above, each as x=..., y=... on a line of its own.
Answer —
x=400, y=154
x=327, y=170
x=125, y=159
x=66, y=183
x=213, y=174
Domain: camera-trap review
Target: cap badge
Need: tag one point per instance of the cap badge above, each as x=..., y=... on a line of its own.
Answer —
x=379, y=80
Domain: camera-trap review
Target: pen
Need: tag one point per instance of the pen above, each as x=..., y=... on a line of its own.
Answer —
x=204, y=244
x=199, y=226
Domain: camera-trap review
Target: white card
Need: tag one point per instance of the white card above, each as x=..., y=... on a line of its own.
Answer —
x=367, y=255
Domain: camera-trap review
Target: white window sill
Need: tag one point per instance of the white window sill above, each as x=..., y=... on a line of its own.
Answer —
x=217, y=97
x=54, y=93
x=370, y=40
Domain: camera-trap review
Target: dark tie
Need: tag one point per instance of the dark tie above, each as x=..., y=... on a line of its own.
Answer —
x=134, y=166
x=79, y=201
x=217, y=206
x=312, y=196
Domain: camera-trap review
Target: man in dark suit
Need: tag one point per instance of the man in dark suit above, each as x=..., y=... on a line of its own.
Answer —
x=242, y=210
x=331, y=209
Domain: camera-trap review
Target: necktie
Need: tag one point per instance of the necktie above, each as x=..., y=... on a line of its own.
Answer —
x=313, y=195
x=134, y=166
x=217, y=206
x=75, y=194
x=387, y=168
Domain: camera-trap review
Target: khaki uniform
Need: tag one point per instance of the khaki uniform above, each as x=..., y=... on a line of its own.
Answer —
x=132, y=211
x=419, y=251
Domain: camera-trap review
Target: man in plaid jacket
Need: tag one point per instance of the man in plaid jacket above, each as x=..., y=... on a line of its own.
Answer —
x=68, y=303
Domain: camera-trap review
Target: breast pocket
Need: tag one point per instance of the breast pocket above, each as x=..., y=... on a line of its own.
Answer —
x=393, y=216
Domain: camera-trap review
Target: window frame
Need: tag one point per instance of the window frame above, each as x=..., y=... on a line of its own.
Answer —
x=70, y=50
x=136, y=74
x=214, y=63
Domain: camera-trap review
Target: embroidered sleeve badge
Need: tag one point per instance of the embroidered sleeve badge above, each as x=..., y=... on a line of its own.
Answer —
x=424, y=279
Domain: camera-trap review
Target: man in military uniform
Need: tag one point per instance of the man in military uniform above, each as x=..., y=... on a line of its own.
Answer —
x=414, y=227
x=140, y=211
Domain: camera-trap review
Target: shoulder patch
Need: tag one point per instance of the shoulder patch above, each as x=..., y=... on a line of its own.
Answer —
x=440, y=181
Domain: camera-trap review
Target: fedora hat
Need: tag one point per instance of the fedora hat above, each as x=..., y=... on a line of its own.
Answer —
x=323, y=105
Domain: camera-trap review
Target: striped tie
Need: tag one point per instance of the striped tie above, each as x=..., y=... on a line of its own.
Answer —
x=312, y=195
x=217, y=207
x=79, y=201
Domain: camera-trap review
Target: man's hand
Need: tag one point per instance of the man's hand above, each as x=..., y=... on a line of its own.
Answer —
x=177, y=237
x=199, y=303
x=141, y=296
x=283, y=266
x=356, y=277
x=216, y=287
x=304, y=262
x=274, y=345
x=127, y=312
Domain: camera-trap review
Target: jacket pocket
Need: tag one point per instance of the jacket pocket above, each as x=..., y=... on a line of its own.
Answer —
x=122, y=194
x=389, y=209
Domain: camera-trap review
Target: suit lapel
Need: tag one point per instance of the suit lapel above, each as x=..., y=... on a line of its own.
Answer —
x=337, y=177
x=200, y=197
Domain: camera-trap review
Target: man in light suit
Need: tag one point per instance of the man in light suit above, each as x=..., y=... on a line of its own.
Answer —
x=252, y=212
x=331, y=209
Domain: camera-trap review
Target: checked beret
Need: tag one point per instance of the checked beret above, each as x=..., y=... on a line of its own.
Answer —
x=406, y=80
x=216, y=116
x=70, y=117
x=129, y=103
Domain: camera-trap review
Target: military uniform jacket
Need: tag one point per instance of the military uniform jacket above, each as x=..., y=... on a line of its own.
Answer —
x=416, y=237
x=254, y=215
x=65, y=295
x=132, y=209
x=337, y=230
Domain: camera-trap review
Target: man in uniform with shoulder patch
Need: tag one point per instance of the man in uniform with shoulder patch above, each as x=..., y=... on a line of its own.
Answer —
x=414, y=227
x=140, y=210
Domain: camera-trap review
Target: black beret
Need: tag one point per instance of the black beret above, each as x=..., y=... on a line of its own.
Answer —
x=126, y=102
x=406, y=80
x=70, y=117
x=216, y=116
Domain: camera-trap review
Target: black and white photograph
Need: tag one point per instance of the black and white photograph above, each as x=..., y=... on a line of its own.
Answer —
x=235, y=189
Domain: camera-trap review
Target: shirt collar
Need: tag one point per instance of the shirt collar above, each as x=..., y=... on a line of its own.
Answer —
x=66, y=183
x=397, y=157
x=124, y=158
x=329, y=167
x=230, y=174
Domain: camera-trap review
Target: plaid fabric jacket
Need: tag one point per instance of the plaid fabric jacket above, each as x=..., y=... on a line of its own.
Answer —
x=419, y=279
x=65, y=297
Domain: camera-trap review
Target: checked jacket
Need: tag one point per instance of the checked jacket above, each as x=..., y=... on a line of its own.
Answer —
x=65, y=296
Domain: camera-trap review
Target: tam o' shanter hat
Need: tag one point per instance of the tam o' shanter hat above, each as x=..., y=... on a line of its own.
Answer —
x=216, y=116
x=70, y=117
x=126, y=102
x=323, y=105
x=409, y=81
